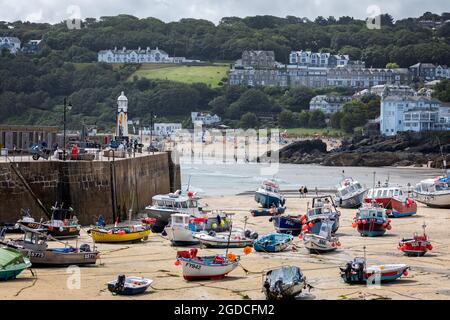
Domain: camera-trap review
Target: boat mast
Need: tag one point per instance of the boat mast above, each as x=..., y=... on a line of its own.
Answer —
x=365, y=258
x=229, y=236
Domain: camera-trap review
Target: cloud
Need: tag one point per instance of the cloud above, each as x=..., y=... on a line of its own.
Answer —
x=54, y=11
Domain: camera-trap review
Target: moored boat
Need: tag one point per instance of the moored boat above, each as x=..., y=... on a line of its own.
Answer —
x=371, y=220
x=350, y=193
x=394, y=199
x=12, y=263
x=129, y=286
x=264, y=212
x=287, y=224
x=322, y=209
x=418, y=246
x=273, y=242
x=322, y=242
x=181, y=229
x=234, y=239
x=206, y=268
x=434, y=193
x=282, y=283
x=34, y=246
x=356, y=272
x=119, y=234
x=268, y=195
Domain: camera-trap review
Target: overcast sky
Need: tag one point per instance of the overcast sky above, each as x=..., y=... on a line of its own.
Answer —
x=54, y=11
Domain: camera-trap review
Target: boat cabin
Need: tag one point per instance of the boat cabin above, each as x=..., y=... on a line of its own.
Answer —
x=385, y=193
x=33, y=240
x=433, y=185
x=270, y=186
x=174, y=202
x=372, y=213
x=349, y=186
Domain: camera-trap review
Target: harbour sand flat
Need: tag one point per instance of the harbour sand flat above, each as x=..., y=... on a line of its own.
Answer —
x=429, y=277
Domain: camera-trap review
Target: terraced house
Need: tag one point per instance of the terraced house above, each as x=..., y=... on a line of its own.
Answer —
x=137, y=56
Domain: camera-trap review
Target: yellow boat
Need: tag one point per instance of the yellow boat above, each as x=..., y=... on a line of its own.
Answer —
x=111, y=235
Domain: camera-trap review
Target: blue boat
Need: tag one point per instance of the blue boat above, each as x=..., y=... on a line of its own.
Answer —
x=287, y=224
x=323, y=208
x=268, y=195
x=129, y=286
x=274, y=242
x=12, y=263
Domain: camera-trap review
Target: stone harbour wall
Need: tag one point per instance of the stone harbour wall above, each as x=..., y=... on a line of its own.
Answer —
x=108, y=188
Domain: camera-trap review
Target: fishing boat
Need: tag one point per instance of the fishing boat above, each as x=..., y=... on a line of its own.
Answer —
x=372, y=220
x=206, y=268
x=265, y=212
x=62, y=225
x=322, y=209
x=12, y=263
x=132, y=233
x=268, y=195
x=282, y=283
x=350, y=193
x=322, y=242
x=356, y=272
x=434, y=193
x=181, y=229
x=394, y=199
x=34, y=246
x=234, y=239
x=273, y=242
x=129, y=286
x=287, y=224
x=418, y=246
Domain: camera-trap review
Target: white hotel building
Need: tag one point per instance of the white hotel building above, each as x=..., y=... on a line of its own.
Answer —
x=138, y=56
x=406, y=112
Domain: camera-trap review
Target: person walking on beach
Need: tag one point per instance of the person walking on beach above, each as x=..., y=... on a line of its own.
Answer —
x=305, y=191
x=301, y=190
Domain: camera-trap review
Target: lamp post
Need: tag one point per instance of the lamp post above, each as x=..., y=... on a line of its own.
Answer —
x=64, y=130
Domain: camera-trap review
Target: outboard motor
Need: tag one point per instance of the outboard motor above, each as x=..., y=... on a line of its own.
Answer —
x=85, y=248
x=120, y=284
x=212, y=233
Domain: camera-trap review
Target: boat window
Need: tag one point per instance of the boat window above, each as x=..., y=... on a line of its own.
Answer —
x=178, y=220
x=192, y=204
x=358, y=186
x=370, y=194
x=160, y=203
x=184, y=204
x=380, y=215
x=385, y=193
x=168, y=204
x=391, y=193
x=396, y=193
x=400, y=192
x=379, y=192
x=28, y=237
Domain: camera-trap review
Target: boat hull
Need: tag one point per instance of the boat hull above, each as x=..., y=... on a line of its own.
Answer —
x=197, y=270
x=396, y=208
x=104, y=237
x=65, y=232
x=57, y=259
x=273, y=243
x=211, y=242
x=318, y=244
x=267, y=200
x=433, y=200
x=181, y=236
x=353, y=202
x=374, y=275
x=288, y=225
x=129, y=289
x=268, y=212
x=371, y=229
x=12, y=273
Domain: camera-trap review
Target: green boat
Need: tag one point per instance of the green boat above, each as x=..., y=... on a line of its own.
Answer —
x=12, y=263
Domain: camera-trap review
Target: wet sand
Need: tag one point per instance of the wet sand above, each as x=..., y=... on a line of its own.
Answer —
x=429, y=277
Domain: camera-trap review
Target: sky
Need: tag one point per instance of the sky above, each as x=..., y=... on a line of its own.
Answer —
x=54, y=11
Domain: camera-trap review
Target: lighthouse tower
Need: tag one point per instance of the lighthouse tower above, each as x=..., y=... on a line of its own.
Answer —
x=122, y=116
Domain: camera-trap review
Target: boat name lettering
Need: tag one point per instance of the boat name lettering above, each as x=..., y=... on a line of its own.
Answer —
x=193, y=266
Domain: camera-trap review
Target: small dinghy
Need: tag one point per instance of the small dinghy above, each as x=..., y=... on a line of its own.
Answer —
x=357, y=271
x=274, y=211
x=285, y=282
x=268, y=195
x=274, y=242
x=371, y=220
x=417, y=246
x=350, y=193
x=12, y=263
x=129, y=286
x=206, y=268
x=322, y=242
x=234, y=239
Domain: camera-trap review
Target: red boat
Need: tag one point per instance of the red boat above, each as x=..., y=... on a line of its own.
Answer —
x=417, y=246
x=397, y=203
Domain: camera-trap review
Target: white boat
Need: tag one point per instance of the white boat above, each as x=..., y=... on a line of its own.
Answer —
x=350, y=193
x=268, y=195
x=235, y=239
x=283, y=283
x=181, y=230
x=323, y=241
x=434, y=192
x=206, y=268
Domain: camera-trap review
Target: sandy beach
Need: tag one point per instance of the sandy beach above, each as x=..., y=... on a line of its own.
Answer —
x=155, y=259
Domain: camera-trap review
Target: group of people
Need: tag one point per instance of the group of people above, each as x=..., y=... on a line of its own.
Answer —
x=303, y=191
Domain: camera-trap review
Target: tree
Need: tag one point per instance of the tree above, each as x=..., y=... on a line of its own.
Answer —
x=442, y=91
x=253, y=100
x=392, y=65
x=219, y=105
x=248, y=121
x=303, y=119
x=317, y=119
x=335, y=120
x=286, y=119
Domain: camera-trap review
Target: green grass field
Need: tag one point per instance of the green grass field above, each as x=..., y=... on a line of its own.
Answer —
x=210, y=75
x=308, y=132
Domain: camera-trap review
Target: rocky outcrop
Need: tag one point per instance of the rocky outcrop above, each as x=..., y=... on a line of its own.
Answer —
x=406, y=149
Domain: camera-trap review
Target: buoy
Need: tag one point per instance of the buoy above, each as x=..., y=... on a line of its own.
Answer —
x=364, y=221
x=300, y=236
x=354, y=224
x=429, y=247
x=214, y=226
x=177, y=263
x=359, y=221
x=311, y=225
x=405, y=273
x=248, y=250
x=389, y=227
x=305, y=227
